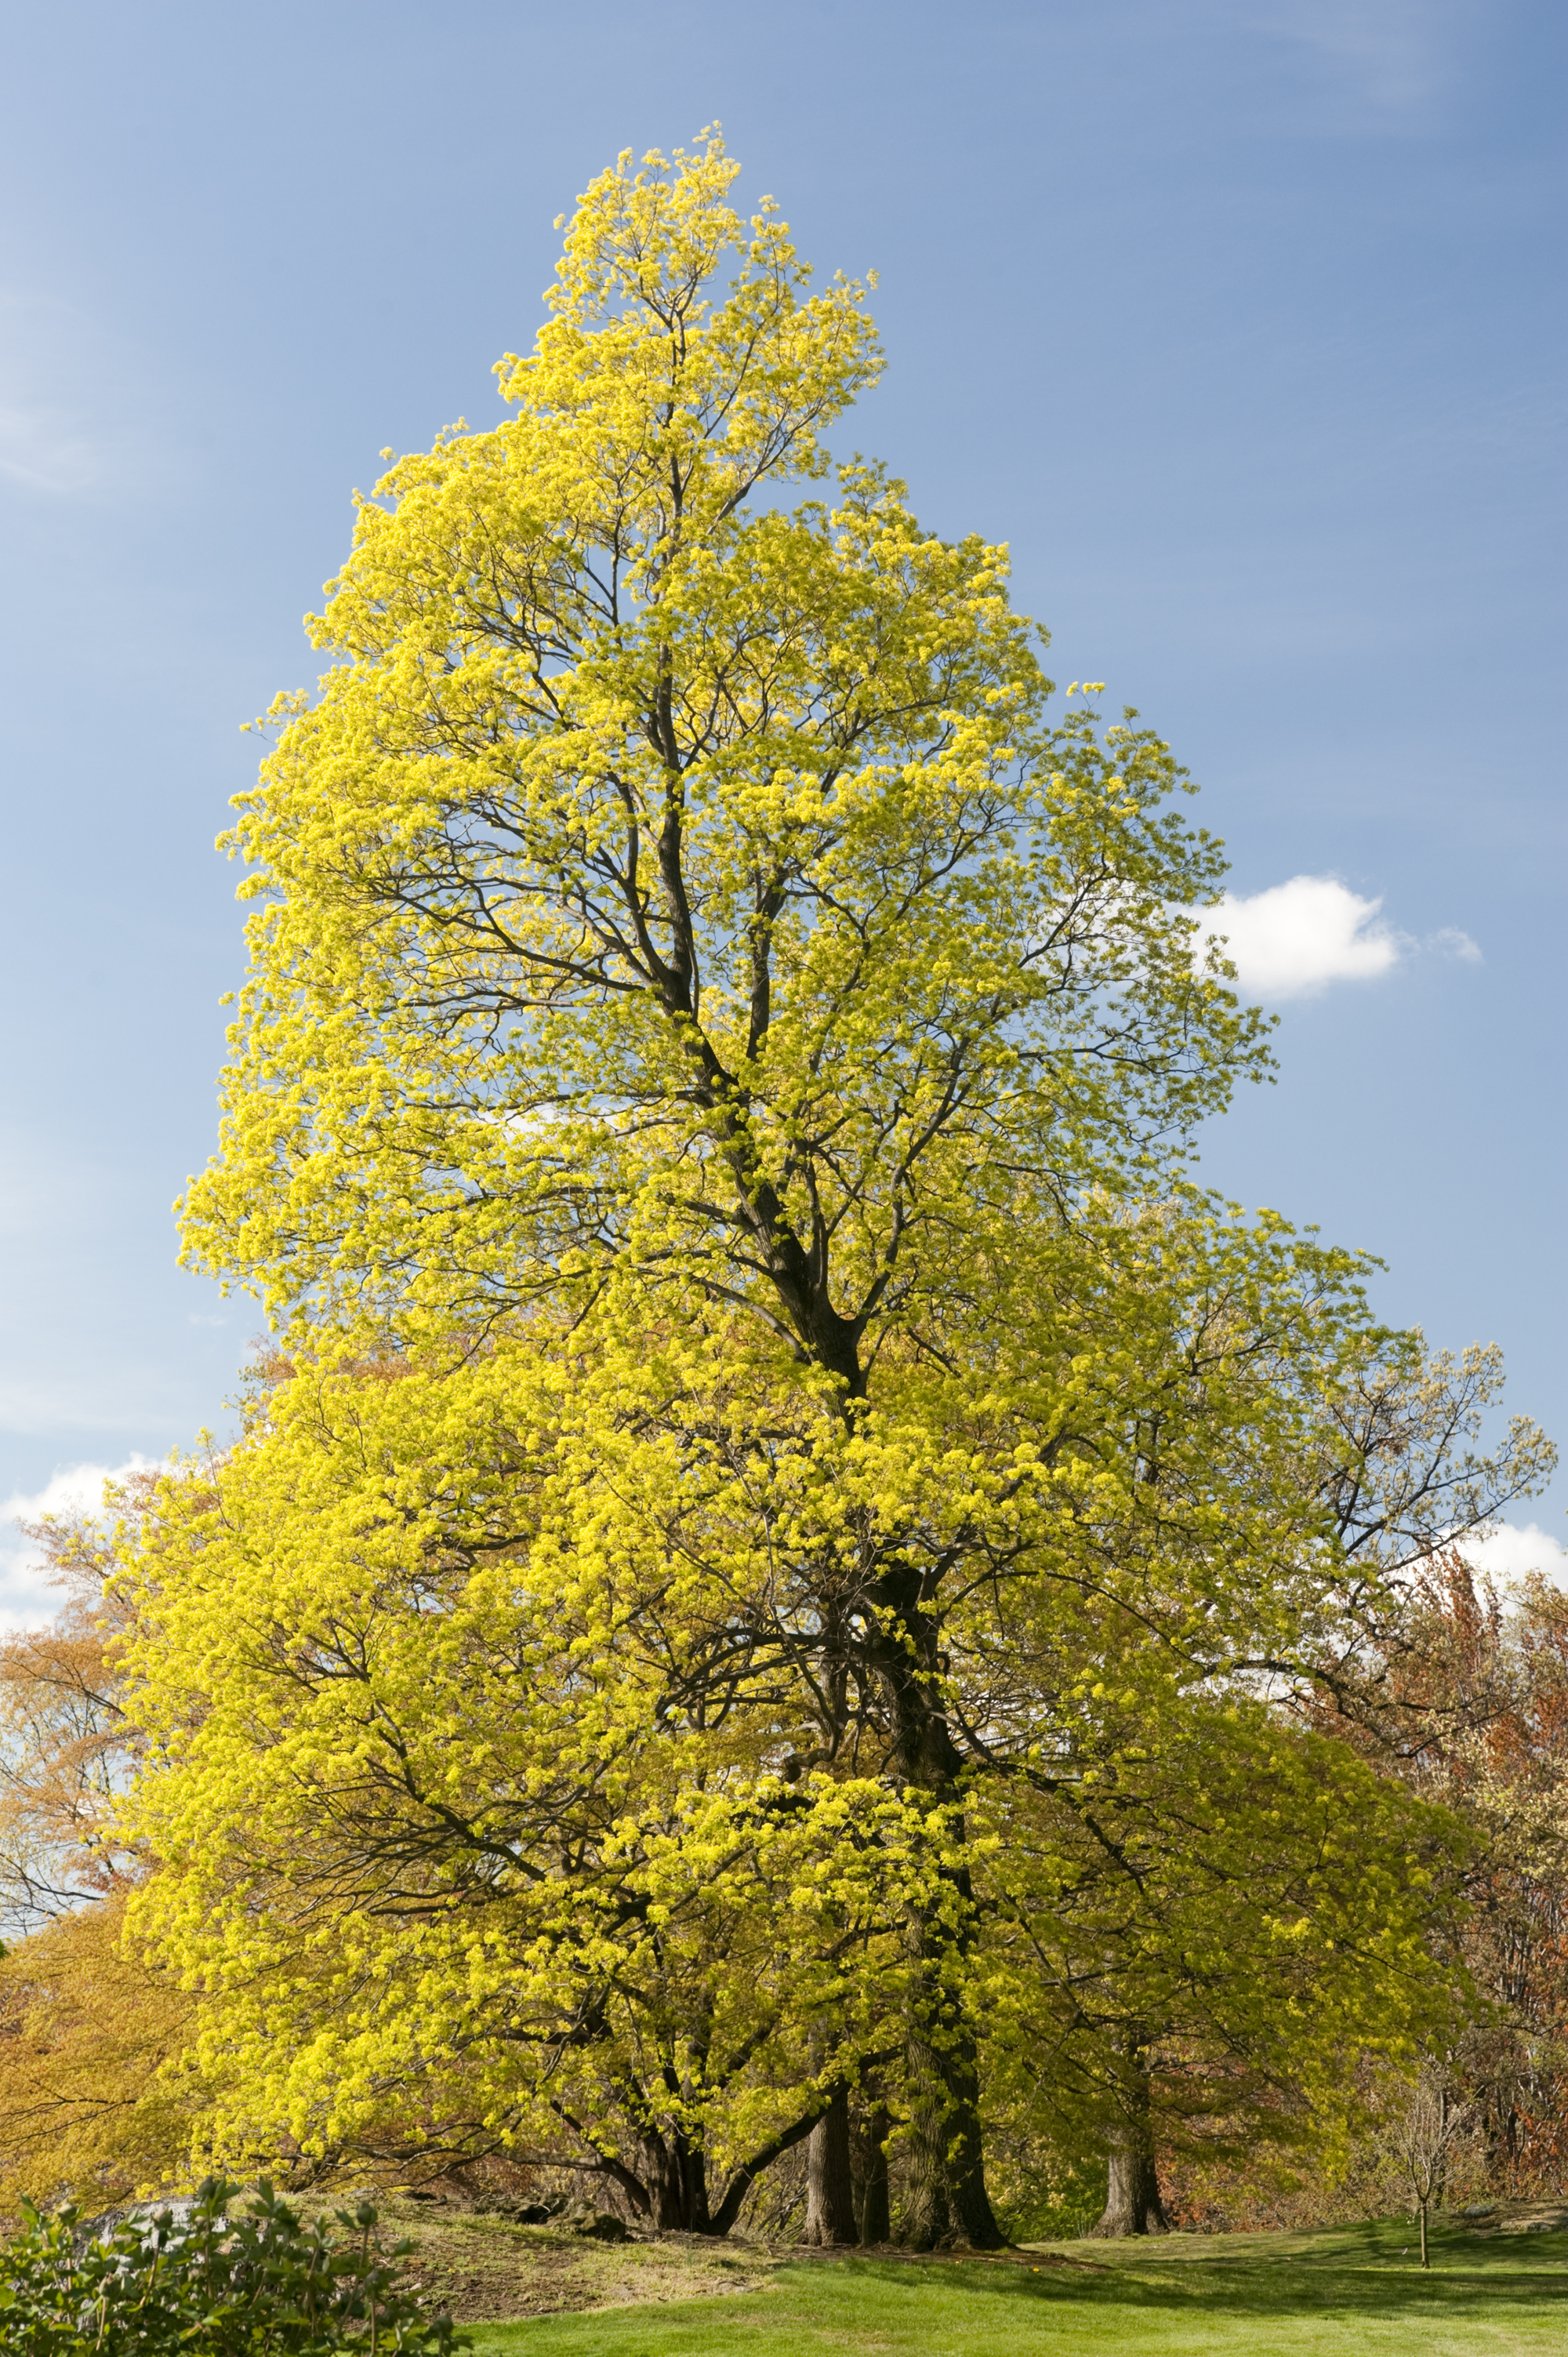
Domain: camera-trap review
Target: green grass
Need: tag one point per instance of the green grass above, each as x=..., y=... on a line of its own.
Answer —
x=1351, y=2293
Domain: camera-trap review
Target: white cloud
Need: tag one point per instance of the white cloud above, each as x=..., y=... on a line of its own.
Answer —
x=26, y=1599
x=1511, y=1551
x=1293, y=940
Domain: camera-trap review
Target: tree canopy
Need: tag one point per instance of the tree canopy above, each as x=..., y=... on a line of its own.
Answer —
x=666, y=873
x=614, y=1743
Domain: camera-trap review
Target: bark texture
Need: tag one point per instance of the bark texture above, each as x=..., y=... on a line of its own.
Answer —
x=1132, y=2204
x=945, y=2201
x=830, y=2191
x=675, y=2174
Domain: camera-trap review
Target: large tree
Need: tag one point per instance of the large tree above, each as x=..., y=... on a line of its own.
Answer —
x=668, y=874
x=665, y=874
x=681, y=920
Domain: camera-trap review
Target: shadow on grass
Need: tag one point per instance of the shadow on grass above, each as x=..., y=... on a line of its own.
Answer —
x=1372, y=2271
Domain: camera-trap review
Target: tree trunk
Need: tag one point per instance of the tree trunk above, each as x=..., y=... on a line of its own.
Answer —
x=677, y=2179
x=1132, y=2204
x=946, y=2202
x=875, y=2220
x=829, y=2195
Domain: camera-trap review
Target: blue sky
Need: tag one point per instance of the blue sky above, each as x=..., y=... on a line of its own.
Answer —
x=1241, y=320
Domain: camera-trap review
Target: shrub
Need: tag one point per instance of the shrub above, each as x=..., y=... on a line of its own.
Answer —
x=213, y=2283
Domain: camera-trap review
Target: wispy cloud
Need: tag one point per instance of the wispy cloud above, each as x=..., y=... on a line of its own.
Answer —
x=108, y=1402
x=1293, y=940
x=1448, y=940
x=25, y=1596
x=46, y=449
x=56, y=440
x=46, y=438
x=1378, y=63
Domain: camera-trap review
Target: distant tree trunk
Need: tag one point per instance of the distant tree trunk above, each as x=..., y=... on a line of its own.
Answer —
x=1439, y=2195
x=876, y=2219
x=1132, y=2204
x=830, y=2193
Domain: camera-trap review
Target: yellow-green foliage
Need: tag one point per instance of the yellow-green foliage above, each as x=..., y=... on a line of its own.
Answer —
x=655, y=875
x=1251, y=1904
x=426, y=1801
x=506, y=1771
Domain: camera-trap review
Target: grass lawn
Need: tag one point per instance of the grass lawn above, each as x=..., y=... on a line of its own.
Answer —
x=1351, y=2293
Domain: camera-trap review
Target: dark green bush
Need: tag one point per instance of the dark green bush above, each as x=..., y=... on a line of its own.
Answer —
x=212, y=2283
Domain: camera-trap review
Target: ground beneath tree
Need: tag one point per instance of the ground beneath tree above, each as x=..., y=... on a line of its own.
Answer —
x=1498, y=2287
x=481, y=2267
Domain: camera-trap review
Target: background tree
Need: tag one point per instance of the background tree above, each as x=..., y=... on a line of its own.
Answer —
x=64, y=1745
x=1219, y=1918
x=1509, y=1783
x=93, y=2104
x=1404, y=1472
x=88, y=2030
x=1426, y=2129
x=1470, y=1706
